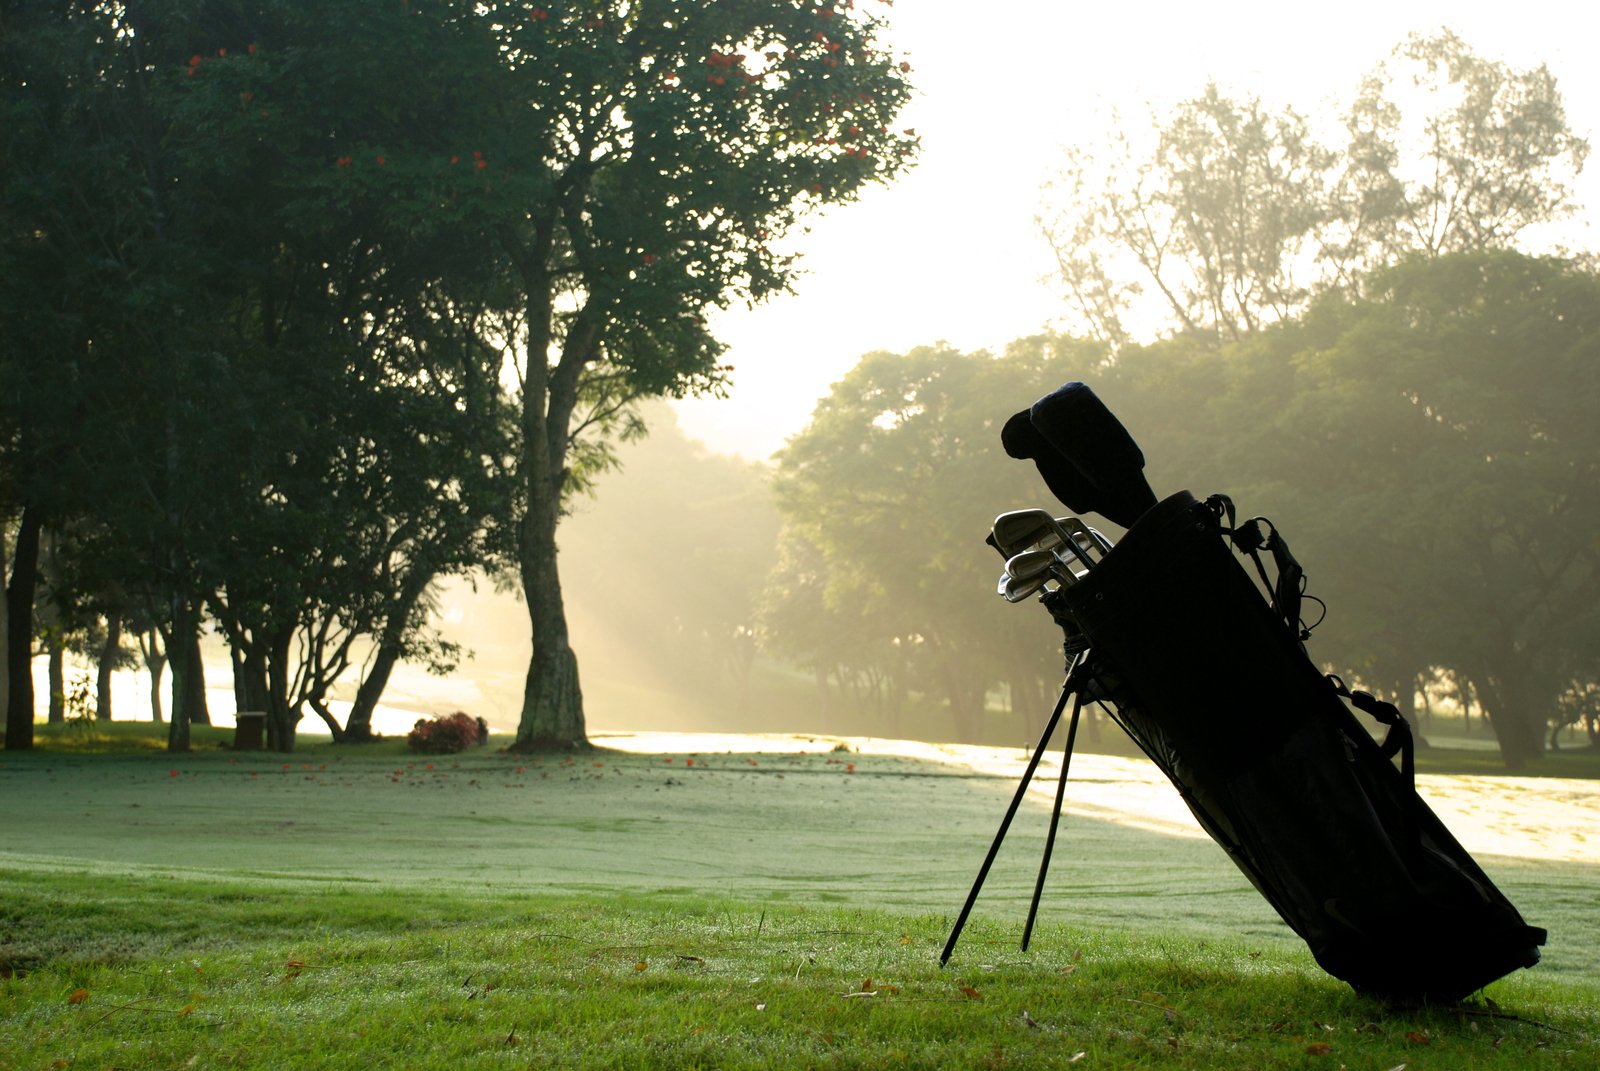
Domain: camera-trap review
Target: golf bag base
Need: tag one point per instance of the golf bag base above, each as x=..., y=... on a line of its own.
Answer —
x=1216, y=688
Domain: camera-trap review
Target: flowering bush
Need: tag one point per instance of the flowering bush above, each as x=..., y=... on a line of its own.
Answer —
x=444, y=735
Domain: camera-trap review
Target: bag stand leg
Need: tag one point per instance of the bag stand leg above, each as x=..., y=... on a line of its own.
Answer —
x=1071, y=687
x=1055, y=816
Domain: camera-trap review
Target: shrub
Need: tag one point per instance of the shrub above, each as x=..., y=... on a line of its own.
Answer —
x=444, y=735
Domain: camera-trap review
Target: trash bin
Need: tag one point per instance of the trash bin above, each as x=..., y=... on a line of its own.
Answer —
x=249, y=731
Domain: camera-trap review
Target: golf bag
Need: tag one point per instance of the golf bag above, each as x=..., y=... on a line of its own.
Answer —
x=1210, y=678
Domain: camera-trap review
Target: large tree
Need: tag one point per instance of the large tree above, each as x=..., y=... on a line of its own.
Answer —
x=1231, y=215
x=651, y=157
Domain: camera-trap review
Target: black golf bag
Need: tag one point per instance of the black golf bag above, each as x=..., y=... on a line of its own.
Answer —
x=1209, y=677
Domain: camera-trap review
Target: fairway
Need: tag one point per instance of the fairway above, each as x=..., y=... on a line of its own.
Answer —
x=776, y=841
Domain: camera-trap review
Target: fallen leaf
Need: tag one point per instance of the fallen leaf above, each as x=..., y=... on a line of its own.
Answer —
x=866, y=986
x=642, y=965
x=972, y=994
x=1418, y=1037
x=78, y=996
x=1318, y=1048
x=187, y=1009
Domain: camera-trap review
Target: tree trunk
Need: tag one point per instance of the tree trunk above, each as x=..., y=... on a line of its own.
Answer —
x=250, y=691
x=57, y=676
x=155, y=663
x=280, y=718
x=182, y=627
x=107, y=664
x=358, y=726
x=964, y=692
x=196, y=709
x=1507, y=699
x=19, y=632
x=320, y=709
x=552, y=701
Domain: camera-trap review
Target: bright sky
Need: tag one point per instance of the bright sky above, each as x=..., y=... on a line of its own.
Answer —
x=950, y=252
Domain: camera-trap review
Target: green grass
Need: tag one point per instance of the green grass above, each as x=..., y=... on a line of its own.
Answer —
x=167, y=972
x=354, y=908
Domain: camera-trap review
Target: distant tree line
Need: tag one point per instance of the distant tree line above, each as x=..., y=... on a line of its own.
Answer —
x=1428, y=450
x=1353, y=346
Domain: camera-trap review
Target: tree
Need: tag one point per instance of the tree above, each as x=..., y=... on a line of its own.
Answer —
x=1427, y=450
x=1491, y=157
x=893, y=486
x=1236, y=216
x=265, y=209
x=1219, y=221
x=664, y=148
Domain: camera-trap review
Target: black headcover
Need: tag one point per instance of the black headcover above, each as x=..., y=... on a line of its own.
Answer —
x=1085, y=455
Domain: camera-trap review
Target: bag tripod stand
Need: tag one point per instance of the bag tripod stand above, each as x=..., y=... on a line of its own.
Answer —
x=1079, y=683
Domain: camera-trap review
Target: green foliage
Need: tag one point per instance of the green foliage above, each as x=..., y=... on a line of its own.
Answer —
x=1233, y=215
x=1425, y=449
x=886, y=497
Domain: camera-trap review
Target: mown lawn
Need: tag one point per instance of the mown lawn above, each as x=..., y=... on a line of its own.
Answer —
x=367, y=908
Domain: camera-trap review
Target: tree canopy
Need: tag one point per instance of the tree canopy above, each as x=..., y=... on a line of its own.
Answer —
x=1426, y=448
x=358, y=295
x=1232, y=215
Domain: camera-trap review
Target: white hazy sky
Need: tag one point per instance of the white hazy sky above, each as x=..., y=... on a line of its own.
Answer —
x=950, y=252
